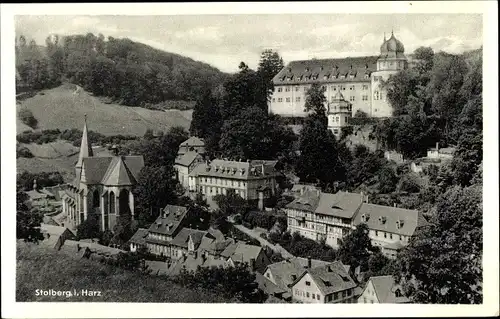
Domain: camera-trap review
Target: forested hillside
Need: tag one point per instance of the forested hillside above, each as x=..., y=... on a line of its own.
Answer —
x=124, y=71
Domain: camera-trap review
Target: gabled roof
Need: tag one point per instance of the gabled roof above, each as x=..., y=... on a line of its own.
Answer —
x=95, y=168
x=118, y=174
x=139, y=237
x=244, y=253
x=193, y=141
x=285, y=272
x=411, y=219
x=304, y=71
x=169, y=221
x=267, y=285
x=385, y=288
x=235, y=169
x=182, y=238
x=341, y=204
x=187, y=158
x=330, y=278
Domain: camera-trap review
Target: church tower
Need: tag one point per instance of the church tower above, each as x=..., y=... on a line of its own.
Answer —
x=391, y=60
x=85, y=149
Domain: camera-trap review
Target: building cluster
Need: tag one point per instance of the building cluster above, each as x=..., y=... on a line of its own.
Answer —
x=253, y=180
x=330, y=217
x=358, y=79
x=184, y=247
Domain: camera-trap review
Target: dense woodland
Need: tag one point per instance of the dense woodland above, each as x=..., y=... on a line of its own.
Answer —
x=121, y=70
x=438, y=101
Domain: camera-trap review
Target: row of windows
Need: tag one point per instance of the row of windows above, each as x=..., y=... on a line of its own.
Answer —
x=298, y=98
x=221, y=181
x=337, y=119
x=377, y=95
x=364, y=87
x=307, y=294
x=386, y=234
x=219, y=190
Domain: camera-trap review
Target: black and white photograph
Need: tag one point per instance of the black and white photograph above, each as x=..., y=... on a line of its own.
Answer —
x=237, y=157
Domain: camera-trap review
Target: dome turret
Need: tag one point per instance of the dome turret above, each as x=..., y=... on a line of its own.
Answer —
x=392, y=45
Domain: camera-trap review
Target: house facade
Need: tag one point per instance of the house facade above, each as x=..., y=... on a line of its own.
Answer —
x=331, y=217
x=323, y=216
x=184, y=164
x=252, y=180
x=339, y=114
x=325, y=284
x=382, y=289
x=359, y=79
x=102, y=189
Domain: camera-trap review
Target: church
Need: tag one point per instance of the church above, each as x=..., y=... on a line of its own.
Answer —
x=102, y=188
x=359, y=79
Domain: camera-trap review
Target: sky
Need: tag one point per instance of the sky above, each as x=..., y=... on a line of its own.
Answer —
x=224, y=41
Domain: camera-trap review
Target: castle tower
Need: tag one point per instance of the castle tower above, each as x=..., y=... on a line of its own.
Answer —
x=391, y=60
x=85, y=149
x=339, y=114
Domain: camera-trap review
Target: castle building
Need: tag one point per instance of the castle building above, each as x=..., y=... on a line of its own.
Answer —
x=102, y=188
x=358, y=78
x=339, y=114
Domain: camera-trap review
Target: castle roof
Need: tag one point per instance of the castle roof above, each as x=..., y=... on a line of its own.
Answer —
x=353, y=69
x=118, y=173
x=392, y=48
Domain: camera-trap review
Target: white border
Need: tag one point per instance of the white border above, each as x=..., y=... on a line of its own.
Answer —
x=11, y=309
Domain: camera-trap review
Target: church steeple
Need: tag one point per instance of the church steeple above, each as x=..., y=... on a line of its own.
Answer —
x=85, y=149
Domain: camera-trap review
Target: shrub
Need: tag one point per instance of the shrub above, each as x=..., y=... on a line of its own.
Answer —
x=24, y=152
x=27, y=117
x=44, y=179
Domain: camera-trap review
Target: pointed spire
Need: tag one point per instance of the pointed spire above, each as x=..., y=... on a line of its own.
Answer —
x=85, y=147
x=392, y=32
x=385, y=39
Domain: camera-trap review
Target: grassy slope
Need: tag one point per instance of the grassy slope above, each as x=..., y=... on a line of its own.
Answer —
x=44, y=268
x=59, y=156
x=60, y=108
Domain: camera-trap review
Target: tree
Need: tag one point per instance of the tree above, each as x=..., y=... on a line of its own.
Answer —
x=234, y=282
x=27, y=221
x=319, y=161
x=355, y=248
x=231, y=204
x=155, y=188
x=360, y=114
x=269, y=65
x=443, y=263
x=206, y=120
x=387, y=180
x=425, y=59
x=89, y=228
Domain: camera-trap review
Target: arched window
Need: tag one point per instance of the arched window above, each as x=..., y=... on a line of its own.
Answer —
x=124, y=202
x=376, y=95
x=112, y=203
x=95, y=199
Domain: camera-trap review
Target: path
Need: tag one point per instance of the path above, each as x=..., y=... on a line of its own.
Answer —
x=256, y=234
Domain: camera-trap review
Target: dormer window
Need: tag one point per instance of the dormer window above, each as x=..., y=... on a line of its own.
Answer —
x=367, y=76
x=398, y=293
x=382, y=219
x=365, y=217
x=342, y=76
x=399, y=224
x=307, y=69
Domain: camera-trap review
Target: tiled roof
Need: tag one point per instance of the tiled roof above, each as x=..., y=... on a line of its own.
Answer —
x=169, y=221
x=330, y=278
x=326, y=70
x=385, y=218
x=182, y=238
x=118, y=174
x=193, y=141
x=385, y=288
x=187, y=158
x=243, y=253
x=341, y=204
x=95, y=168
x=285, y=272
x=267, y=285
x=139, y=237
x=235, y=169
x=100, y=170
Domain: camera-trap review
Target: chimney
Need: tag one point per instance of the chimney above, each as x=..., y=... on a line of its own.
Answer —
x=195, y=254
x=35, y=186
x=302, y=190
x=367, y=198
x=252, y=264
x=309, y=262
x=437, y=146
x=77, y=247
x=184, y=257
x=362, y=196
x=204, y=257
x=395, y=205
